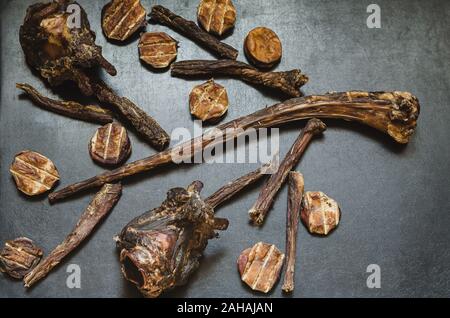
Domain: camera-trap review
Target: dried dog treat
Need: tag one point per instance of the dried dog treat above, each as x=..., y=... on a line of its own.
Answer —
x=208, y=101
x=320, y=214
x=216, y=16
x=157, y=49
x=121, y=18
x=263, y=47
x=260, y=266
x=19, y=257
x=33, y=173
x=110, y=144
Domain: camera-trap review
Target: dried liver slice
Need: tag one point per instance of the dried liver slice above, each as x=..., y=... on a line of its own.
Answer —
x=110, y=144
x=19, y=256
x=121, y=18
x=320, y=213
x=216, y=16
x=33, y=173
x=208, y=101
x=157, y=49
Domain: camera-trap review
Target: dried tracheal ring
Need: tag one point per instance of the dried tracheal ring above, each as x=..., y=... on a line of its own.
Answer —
x=122, y=18
x=208, y=101
x=33, y=173
x=110, y=144
x=320, y=214
x=157, y=49
x=260, y=266
x=18, y=257
x=216, y=16
x=263, y=47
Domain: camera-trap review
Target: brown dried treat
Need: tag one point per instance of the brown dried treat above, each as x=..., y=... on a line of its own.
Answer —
x=157, y=49
x=263, y=47
x=260, y=266
x=216, y=16
x=320, y=214
x=121, y=18
x=110, y=144
x=33, y=173
x=208, y=101
x=394, y=113
x=91, y=113
x=19, y=257
x=98, y=209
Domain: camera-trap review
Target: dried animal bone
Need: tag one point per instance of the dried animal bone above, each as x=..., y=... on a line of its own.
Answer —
x=90, y=113
x=216, y=16
x=263, y=47
x=320, y=214
x=157, y=49
x=286, y=82
x=268, y=192
x=110, y=144
x=393, y=113
x=260, y=266
x=122, y=18
x=19, y=257
x=295, y=197
x=33, y=173
x=61, y=50
x=164, y=16
x=208, y=101
x=99, y=208
x=161, y=249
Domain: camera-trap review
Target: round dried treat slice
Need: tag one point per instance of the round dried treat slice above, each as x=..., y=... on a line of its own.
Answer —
x=320, y=213
x=263, y=47
x=216, y=16
x=33, y=173
x=18, y=257
x=121, y=18
x=110, y=144
x=157, y=49
x=208, y=101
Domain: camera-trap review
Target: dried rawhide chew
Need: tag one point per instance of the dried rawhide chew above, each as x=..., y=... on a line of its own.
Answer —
x=157, y=49
x=393, y=113
x=62, y=48
x=216, y=16
x=90, y=113
x=162, y=248
x=110, y=144
x=18, y=257
x=96, y=211
x=122, y=18
x=288, y=82
x=263, y=47
x=260, y=266
x=320, y=214
x=33, y=173
x=208, y=101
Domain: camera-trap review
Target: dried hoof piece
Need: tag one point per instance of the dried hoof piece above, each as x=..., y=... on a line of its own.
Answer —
x=208, y=101
x=260, y=266
x=110, y=144
x=320, y=214
x=19, y=257
x=158, y=49
x=263, y=47
x=122, y=18
x=33, y=173
x=216, y=16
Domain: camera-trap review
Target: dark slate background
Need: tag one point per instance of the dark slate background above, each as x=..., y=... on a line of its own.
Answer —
x=394, y=199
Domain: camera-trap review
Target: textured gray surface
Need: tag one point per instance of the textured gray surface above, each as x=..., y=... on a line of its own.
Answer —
x=394, y=199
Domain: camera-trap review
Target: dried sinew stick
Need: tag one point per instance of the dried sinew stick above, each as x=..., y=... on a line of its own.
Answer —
x=393, y=113
x=99, y=207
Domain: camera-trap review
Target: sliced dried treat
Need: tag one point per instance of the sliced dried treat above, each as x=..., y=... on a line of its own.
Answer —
x=18, y=257
x=121, y=18
x=33, y=173
x=320, y=214
x=157, y=49
x=263, y=47
x=110, y=144
x=260, y=266
x=208, y=101
x=216, y=16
